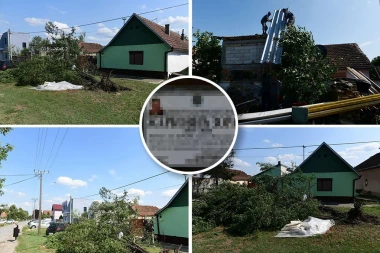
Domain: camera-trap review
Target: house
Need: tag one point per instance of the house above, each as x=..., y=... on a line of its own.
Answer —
x=144, y=48
x=90, y=49
x=74, y=207
x=348, y=55
x=334, y=177
x=57, y=211
x=239, y=177
x=277, y=171
x=145, y=212
x=12, y=40
x=171, y=223
x=370, y=172
x=3, y=215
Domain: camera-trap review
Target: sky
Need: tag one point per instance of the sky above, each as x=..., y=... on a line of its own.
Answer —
x=269, y=137
x=330, y=21
x=88, y=159
x=31, y=16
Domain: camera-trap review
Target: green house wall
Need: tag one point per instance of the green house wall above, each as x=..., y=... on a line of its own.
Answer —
x=134, y=36
x=324, y=163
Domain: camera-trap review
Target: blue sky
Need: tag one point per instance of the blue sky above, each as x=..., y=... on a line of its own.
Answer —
x=278, y=137
x=31, y=16
x=330, y=21
x=89, y=158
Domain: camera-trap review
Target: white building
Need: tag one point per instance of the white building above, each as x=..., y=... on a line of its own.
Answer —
x=74, y=207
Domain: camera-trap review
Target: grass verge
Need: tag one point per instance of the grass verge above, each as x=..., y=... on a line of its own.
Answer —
x=22, y=105
x=30, y=242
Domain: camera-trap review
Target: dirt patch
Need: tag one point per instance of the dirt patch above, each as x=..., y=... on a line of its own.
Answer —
x=355, y=216
x=19, y=107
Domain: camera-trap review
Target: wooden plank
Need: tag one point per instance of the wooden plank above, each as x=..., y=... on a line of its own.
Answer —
x=264, y=115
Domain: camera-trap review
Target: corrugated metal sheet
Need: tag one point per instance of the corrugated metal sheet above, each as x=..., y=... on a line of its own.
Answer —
x=272, y=50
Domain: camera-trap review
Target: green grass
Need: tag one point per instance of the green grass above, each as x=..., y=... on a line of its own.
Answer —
x=30, y=242
x=21, y=105
x=340, y=238
x=372, y=210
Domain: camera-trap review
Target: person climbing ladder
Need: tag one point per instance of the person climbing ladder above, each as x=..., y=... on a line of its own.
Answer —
x=264, y=21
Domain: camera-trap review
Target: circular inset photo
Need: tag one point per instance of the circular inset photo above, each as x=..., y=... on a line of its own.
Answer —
x=188, y=125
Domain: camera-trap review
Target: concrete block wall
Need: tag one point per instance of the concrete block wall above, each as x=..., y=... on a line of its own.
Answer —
x=247, y=53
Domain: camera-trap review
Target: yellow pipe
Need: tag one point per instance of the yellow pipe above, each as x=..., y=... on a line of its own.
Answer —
x=347, y=102
x=324, y=113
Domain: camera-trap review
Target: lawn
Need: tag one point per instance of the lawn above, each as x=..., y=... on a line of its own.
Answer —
x=371, y=210
x=30, y=242
x=341, y=238
x=21, y=105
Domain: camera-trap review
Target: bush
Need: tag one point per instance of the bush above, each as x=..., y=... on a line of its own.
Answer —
x=52, y=241
x=243, y=92
x=7, y=76
x=271, y=205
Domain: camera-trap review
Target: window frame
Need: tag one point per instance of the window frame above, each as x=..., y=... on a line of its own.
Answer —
x=24, y=43
x=133, y=60
x=321, y=187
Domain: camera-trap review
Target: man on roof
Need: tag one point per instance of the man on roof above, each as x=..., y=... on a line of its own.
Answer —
x=289, y=17
x=264, y=21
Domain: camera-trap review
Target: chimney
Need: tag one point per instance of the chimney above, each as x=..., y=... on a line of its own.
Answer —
x=183, y=34
x=279, y=163
x=167, y=29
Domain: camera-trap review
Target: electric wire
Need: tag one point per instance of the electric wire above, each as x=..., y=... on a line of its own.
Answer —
x=19, y=181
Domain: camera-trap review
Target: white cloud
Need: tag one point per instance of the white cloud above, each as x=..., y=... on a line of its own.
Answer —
x=100, y=25
x=148, y=192
x=347, y=156
x=179, y=20
x=367, y=43
x=77, y=29
x=266, y=141
x=142, y=6
x=240, y=163
x=112, y=172
x=92, y=178
x=21, y=194
x=288, y=157
x=138, y=192
x=169, y=193
x=74, y=183
x=277, y=145
x=270, y=159
x=61, y=25
x=364, y=147
x=36, y=21
x=108, y=32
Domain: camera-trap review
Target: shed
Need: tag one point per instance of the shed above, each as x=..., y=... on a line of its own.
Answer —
x=370, y=175
x=171, y=224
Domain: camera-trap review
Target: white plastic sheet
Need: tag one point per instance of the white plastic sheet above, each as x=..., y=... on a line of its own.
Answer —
x=309, y=227
x=58, y=86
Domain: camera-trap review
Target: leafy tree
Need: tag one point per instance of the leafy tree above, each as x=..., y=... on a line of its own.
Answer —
x=207, y=54
x=304, y=74
x=376, y=63
x=4, y=150
x=38, y=44
x=265, y=166
x=61, y=217
x=222, y=171
x=45, y=215
x=93, y=209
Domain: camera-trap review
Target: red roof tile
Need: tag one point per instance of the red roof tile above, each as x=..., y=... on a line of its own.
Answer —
x=173, y=39
x=372, y=162
x=145, y=210
x=348, y=55
x=239, y=175
x=90, y=48
x=56, y=207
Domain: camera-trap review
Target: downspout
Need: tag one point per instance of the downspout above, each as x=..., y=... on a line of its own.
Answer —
x=353, y=190
x=158, y=225
x=166, y=60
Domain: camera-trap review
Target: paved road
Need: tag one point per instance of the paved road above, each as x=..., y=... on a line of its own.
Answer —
x=6, y=240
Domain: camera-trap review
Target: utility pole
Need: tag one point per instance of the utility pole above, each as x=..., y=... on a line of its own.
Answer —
x=124, y=18
x=34, y=208
x=40, y=173
x=9, y=45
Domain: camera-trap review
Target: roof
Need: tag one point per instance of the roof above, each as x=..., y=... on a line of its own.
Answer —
x=372, y=162
x=56, y=207
x=47, y=212
x=348, y=55
x=239, y=175
x=325, y=144
x=173, y=40
x=243, y=37
x=173, y=198
x=90, y=47
x=145, y=210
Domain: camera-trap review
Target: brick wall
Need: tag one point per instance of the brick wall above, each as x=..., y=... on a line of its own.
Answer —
x=247, y=53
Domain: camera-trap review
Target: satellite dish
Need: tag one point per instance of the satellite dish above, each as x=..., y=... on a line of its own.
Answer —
x=323, y=50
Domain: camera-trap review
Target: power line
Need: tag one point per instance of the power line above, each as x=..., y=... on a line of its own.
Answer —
x=38, y=141
x=19, y=181
x=126, y=184
x=114, y=19
x=59, y=148
x=314, y=145
x=51, y=151
x=43, y=147
x=16, y=175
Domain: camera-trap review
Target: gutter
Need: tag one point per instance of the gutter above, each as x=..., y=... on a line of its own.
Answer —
x=158, y=225
x=353, y=190
x=166, y=59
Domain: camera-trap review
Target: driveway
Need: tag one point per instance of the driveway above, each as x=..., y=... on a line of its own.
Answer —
x=7, y=243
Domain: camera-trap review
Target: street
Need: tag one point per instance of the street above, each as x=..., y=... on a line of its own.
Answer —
x=7, y=243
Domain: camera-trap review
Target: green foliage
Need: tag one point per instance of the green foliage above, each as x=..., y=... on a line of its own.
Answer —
x=265, y=166
x=305, y=75
x=270, y=205
x=4, y=150
x=207, y=56
x=45, y=216
x=7, y=76
x=15, y=213
x=52, y=241
x=100, y=234
x=38, y=44
x=376, y=63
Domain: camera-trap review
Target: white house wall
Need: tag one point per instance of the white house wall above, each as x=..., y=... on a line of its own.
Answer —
x=56, y=214
x=177, y=61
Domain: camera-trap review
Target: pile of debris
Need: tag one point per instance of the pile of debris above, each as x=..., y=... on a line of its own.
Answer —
x=105, y=84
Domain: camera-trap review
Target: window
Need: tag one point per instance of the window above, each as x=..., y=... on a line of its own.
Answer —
x=24, y=45
x=85, y=209
x=324, y=184
x=5, y=41
x=136, y=57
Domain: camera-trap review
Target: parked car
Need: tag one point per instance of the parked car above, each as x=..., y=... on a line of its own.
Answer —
x=34, y=224
x=10, y=221
x=55, y=227
x=2, y=222
x=6, y=65
x=32, y=221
